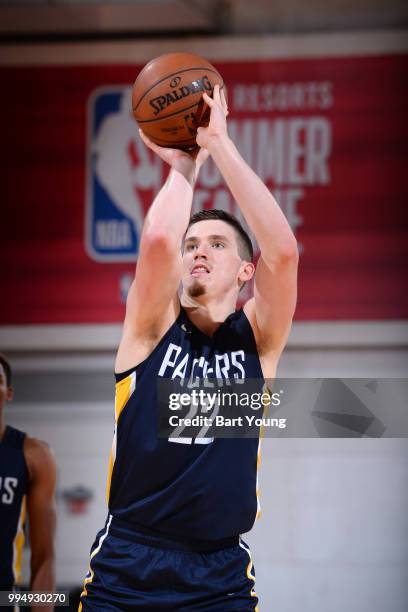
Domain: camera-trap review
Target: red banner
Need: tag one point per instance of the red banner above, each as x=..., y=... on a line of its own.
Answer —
x=328, y=136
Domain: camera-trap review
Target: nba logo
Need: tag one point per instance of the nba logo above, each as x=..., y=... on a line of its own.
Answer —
x=122, y=177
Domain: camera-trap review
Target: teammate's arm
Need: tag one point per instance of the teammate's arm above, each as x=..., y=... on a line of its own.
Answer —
x=152, y=303
x=272, y=308
x=41, y=515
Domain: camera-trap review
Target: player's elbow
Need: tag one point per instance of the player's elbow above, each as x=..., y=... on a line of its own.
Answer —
x=286, y=253
x=156, y=240
x=290, y=251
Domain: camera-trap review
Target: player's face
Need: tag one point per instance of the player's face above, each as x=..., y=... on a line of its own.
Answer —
x=5, y=391
x=211, y=262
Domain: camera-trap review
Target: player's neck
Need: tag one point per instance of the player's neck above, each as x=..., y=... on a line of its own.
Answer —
x=208, y=315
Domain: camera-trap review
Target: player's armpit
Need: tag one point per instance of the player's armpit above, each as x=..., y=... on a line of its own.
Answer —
x=271, y=309
x=41, y=513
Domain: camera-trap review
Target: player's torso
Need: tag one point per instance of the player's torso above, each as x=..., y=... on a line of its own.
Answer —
x=13, y=488
x=203, y=491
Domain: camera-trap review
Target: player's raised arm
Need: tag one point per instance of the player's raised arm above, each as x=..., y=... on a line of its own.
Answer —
x=272, y=308
x=41, y=515
x=152, y=303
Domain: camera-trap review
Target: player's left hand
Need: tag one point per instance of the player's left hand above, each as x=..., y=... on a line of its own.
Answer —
x=218, y=118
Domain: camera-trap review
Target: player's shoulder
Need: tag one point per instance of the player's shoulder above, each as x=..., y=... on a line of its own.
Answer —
x=39, y=456
x=36, y=445
x=267, y=352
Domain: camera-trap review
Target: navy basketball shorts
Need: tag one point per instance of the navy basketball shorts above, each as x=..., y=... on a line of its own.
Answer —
x=145, y=573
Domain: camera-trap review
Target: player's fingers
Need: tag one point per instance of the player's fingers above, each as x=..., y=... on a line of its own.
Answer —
x=163, y=152
x=145, y=138
x=151, y=145
x=208, y=100
x=202, y=155
x=216, y=94
x=224, y=102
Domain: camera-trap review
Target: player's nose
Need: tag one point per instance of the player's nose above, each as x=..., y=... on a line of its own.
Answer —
x=201, y=251
x=200, y=256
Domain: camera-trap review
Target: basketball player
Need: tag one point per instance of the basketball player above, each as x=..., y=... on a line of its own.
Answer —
x=172, y=539
x=27, y=485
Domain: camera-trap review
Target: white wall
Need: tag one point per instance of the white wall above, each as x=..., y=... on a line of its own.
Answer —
x=334, y=525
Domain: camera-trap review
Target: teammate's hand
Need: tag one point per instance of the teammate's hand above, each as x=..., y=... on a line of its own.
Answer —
x=188, y=164
x=218, y=119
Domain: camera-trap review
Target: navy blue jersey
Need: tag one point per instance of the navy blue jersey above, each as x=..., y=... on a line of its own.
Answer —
x=13, y=487
x=196, y=491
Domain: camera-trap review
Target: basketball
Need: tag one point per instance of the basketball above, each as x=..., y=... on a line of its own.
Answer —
x=167, y=98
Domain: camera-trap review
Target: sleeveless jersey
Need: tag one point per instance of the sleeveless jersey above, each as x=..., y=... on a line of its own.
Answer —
x=13, y=487
x=194, y=491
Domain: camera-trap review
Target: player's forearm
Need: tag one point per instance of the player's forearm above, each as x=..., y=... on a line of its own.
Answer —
x=43, y=579
x=260, y=209
x=170, y=211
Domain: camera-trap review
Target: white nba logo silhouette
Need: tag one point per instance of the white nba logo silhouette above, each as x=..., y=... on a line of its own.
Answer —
x=121, y=166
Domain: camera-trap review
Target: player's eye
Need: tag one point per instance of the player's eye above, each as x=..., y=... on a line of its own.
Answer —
x=218, y=245
x=191, y=247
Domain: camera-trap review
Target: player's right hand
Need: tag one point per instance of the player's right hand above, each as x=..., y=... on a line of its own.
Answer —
x=217, y=126
x=188, y=164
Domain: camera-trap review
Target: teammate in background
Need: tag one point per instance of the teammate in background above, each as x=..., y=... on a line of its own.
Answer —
x=27, y=485
x=172, y=539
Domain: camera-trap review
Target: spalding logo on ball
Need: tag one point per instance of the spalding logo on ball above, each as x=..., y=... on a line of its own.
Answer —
x=167, y=98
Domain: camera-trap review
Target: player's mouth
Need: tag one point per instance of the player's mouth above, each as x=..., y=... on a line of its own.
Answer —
x=199, y=269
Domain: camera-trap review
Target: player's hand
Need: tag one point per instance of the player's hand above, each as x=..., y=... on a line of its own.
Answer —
x=200, y=156
x=187, y=163
x=218, y=118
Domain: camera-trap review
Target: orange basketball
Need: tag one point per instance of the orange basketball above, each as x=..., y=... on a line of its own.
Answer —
x=167, y=98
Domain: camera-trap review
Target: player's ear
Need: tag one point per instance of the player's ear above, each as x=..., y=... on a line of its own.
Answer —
x=9, y=394
x=246, y=271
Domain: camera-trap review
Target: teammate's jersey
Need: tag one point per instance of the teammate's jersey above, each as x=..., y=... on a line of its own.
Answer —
x=13, y=487
x=197, y=491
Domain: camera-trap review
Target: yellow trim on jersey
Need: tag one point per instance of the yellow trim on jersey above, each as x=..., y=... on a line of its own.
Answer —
x=91, y=573
x=18, y=543
x=109, y=478
x=265, y=389
x=248, y=570
x=123, y=391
